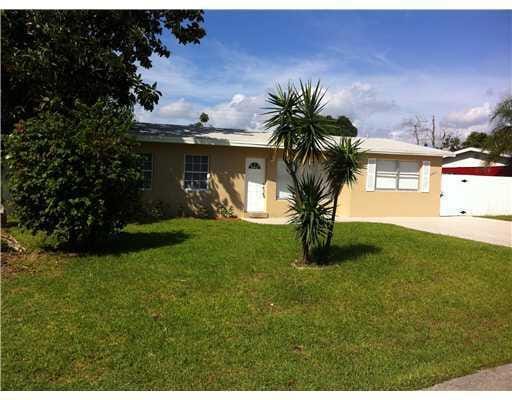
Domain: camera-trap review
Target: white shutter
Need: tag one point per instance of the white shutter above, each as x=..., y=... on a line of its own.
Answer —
x=425, y=177
x=370, y=175
x=284, y=181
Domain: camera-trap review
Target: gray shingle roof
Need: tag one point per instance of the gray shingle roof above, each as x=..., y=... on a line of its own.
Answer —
x=166, y=133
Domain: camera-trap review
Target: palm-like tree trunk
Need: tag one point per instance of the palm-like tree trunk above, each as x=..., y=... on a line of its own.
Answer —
x=292, y=170
x=306, y=256
x=333, y=219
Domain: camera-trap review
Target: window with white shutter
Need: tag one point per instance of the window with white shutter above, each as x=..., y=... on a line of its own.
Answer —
x=397, y=175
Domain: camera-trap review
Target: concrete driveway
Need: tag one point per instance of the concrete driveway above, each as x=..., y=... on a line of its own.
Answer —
x=499, y=378
x=473, y=228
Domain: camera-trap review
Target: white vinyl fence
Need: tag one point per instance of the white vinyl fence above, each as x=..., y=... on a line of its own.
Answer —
x=476, y=195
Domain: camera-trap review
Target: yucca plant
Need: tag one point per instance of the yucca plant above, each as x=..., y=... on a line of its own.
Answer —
x=282, y=123
x=312, y=128
x=342, y=166
x=302, y=134
x=310, y=211
x=297, y=126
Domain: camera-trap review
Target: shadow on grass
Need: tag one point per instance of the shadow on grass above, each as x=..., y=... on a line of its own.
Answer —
x=339, y=254
x=129, y=242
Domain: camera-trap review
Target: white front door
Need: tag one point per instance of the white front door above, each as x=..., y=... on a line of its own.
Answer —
x=255, y=184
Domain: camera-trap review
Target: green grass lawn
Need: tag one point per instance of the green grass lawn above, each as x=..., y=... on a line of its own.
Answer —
x=502, y=217
x=197, y=304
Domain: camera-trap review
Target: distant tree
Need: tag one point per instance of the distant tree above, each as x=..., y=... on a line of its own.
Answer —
x=452, y=143
x=430, y=134
x=341, y=126
x=500, y=139
x=51, y=58
x=476, y=139
x=415, y=129
x=204, y=118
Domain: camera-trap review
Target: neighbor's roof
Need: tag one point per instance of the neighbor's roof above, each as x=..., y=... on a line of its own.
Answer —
x=165, y=133
x=477, y=150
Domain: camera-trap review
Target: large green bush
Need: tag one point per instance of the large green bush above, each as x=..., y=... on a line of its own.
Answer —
x=74, y=176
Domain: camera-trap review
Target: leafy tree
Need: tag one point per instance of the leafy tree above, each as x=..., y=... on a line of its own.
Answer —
x=50, y=59
x=500, y=139
x=58, y=67
x=342, y=165
x=310, y=213
x=341, y=126
x=75, y=176
x=476, y=139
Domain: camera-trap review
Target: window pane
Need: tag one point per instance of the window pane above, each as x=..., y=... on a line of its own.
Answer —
x=146, y=163
x=147, y=179
x=408, y=183
x=146, y=168
x=386, y=166
x=409, y=175
x=384, y=182
x=386, y=174
x=409, y=167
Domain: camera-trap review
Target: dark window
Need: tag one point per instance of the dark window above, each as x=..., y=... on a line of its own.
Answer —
x=146, y=169
x=196, y=173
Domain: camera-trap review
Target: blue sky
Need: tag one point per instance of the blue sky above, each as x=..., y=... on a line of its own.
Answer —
x=380, y=68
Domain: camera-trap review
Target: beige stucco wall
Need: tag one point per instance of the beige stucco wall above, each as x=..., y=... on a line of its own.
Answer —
x=385, y=203
x=227, y=184
x=227, y=178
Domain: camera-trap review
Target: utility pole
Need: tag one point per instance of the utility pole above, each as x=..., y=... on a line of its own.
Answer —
x=433, y=131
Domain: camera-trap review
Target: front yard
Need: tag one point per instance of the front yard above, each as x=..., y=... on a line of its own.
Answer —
x=196, y=304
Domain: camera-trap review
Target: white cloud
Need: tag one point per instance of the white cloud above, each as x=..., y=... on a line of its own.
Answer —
x=358, y=101
x=241, y=111
x=178, y=109
x=469, y=117
x=231, y=86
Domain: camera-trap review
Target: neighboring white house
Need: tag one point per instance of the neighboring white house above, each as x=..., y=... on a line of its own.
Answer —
x=472, y=157
x=469, y=187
